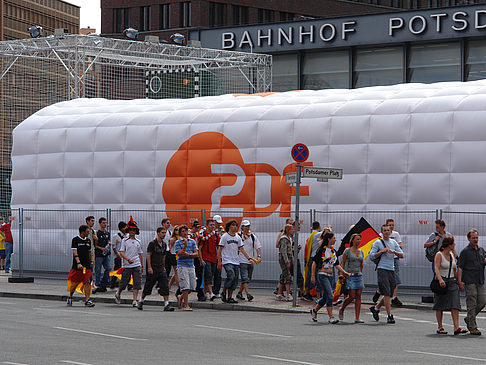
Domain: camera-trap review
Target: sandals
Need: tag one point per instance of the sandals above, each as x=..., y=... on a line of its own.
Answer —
x=441, y=331
x=459, y=331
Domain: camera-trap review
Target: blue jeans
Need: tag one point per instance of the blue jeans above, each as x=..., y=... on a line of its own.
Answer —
x=325, y=283
x=246, y=272
x=8, y=254
x=105, y=262
x=232, y=273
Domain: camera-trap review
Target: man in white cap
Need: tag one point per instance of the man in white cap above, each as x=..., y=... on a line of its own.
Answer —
x=252, y=246
x=219, y=222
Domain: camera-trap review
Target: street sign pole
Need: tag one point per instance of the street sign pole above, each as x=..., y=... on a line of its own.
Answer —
x=296, y=234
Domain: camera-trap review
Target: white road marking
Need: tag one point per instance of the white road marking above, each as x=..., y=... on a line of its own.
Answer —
x=244, y=331
x=444, y=355
x=74, y=362
x=72, y=311
x=285, y=360
x=12, y=363
x=101, y=334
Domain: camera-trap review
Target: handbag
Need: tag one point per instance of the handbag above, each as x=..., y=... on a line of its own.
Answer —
x=435, y=285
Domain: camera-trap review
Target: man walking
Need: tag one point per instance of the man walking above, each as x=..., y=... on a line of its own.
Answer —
x=228, y=249
x=117, y=240
x=93, y=238
x=187, y=251
x=131, y=253
x=471, y=277
x=385, y=250
x=156, y=274
x=252, y=246
x=435, y=241
x=208, y=255
x=80, y=273
x=102, y=257
x=6, y=229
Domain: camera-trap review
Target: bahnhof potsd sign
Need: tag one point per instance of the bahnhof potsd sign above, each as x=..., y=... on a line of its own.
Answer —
x=414, y=46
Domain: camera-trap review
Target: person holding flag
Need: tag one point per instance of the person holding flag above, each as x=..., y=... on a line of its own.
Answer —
x=81, y=271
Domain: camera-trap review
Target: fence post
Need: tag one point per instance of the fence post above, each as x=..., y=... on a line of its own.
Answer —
x=203, y=217
x=21, y=242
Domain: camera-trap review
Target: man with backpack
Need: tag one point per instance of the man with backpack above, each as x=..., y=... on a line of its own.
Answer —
x=383, y=253
x=435, y=241
x=252, y=246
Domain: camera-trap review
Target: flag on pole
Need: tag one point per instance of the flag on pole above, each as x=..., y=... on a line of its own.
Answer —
x=307, y=255
x=368, y=237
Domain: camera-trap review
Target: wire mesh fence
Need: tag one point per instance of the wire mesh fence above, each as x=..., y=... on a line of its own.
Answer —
x=35, y=73
x=42, y=238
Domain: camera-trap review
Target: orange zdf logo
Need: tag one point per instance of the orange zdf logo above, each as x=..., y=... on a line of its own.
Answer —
x=208, y=172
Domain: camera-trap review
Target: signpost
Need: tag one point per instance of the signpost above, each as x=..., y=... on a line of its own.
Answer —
x=300, y=153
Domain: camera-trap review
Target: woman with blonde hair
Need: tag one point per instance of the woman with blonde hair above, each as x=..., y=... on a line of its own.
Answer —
x=352, y=262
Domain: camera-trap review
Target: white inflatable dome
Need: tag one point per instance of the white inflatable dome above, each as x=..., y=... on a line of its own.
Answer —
x=408, y=146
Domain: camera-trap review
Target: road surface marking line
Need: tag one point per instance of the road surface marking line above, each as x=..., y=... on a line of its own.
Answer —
x=74, y=362
x=236, y=330
x=101, y=334
x=285, y=360
x=444, y=355
x=12, y=363
x=73, y=311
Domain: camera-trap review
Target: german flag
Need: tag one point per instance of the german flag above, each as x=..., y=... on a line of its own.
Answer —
x=368, y=237
x=77, y=279
x=307, y=255
x=118, y=274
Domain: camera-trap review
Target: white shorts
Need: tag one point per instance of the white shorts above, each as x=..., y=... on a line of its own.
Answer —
x=187, y=278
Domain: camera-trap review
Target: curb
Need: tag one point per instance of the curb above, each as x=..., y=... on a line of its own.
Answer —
x=195, y=304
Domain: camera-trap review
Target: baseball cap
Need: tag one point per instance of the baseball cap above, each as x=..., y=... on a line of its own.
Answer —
x=245, y=223
x=218, y=219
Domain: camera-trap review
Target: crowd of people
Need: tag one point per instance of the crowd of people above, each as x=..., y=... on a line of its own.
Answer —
x=196, y=256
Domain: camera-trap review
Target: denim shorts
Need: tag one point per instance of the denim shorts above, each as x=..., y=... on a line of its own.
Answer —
x=232, y=273
x=246, y=272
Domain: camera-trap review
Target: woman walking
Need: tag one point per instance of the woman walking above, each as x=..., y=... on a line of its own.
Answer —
x=353, y=263
x=446, y=272
x=285, y=259
x=324, y=260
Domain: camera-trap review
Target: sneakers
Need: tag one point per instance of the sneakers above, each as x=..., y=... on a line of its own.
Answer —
x=140, y=306
x=89, y=304
x=213, y=297
x=117, y=298
x=134, y=304
x=333, y=320
x=337, y=302
x=390, y=319
x=240, y=296
x=69, y=302
x=279, y=297
x=249, y=297
x=396, y=302
x=307, y=297
x=168, y=308
x=358, y=321
x=313, y=315
x=475, y=332
x=231, y=301
x=217, y=295
x=289, y=298
x=376, y=296
x=375, y=313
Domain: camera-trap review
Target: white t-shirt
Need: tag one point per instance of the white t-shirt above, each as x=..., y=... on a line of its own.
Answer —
x=166, y=239
x=131, y=249
x=230, y=245
x=117, y=241
x=250, y=247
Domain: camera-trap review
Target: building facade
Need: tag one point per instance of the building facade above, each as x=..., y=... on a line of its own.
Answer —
x=423, y=46
x=165, y=17
x=17, y=16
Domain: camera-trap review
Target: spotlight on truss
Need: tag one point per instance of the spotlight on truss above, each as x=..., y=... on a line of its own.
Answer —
x=130, y=33
x=177, y=38
x=35, y=31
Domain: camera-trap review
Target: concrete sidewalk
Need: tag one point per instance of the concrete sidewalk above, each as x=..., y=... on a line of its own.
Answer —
x=55, y=289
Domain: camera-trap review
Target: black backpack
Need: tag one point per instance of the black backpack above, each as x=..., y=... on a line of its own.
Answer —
x=431, y=251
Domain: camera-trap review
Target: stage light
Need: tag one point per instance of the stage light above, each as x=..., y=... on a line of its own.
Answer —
x=35, y=31
x=130, y=33
x=177, y=38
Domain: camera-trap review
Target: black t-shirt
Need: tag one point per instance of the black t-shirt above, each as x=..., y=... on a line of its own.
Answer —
x=83, y=245
x=157, y=255
x=103, y=239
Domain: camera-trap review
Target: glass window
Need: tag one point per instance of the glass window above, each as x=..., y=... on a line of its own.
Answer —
x=185, y=14
x=144, y=18
x=118, y=20
x=236, y=15
x=378, y=66
x=326, y=70
x=284, y=72
x=435, y=62
x=476, y=60
x=165, y=16
x=216, y=14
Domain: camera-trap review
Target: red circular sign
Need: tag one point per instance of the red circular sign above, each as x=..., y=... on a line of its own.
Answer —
x=300, y=152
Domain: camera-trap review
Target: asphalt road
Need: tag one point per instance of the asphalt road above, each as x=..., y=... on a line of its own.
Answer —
x=48, y=332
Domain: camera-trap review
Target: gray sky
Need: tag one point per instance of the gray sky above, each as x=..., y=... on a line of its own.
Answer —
x=90, y=13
